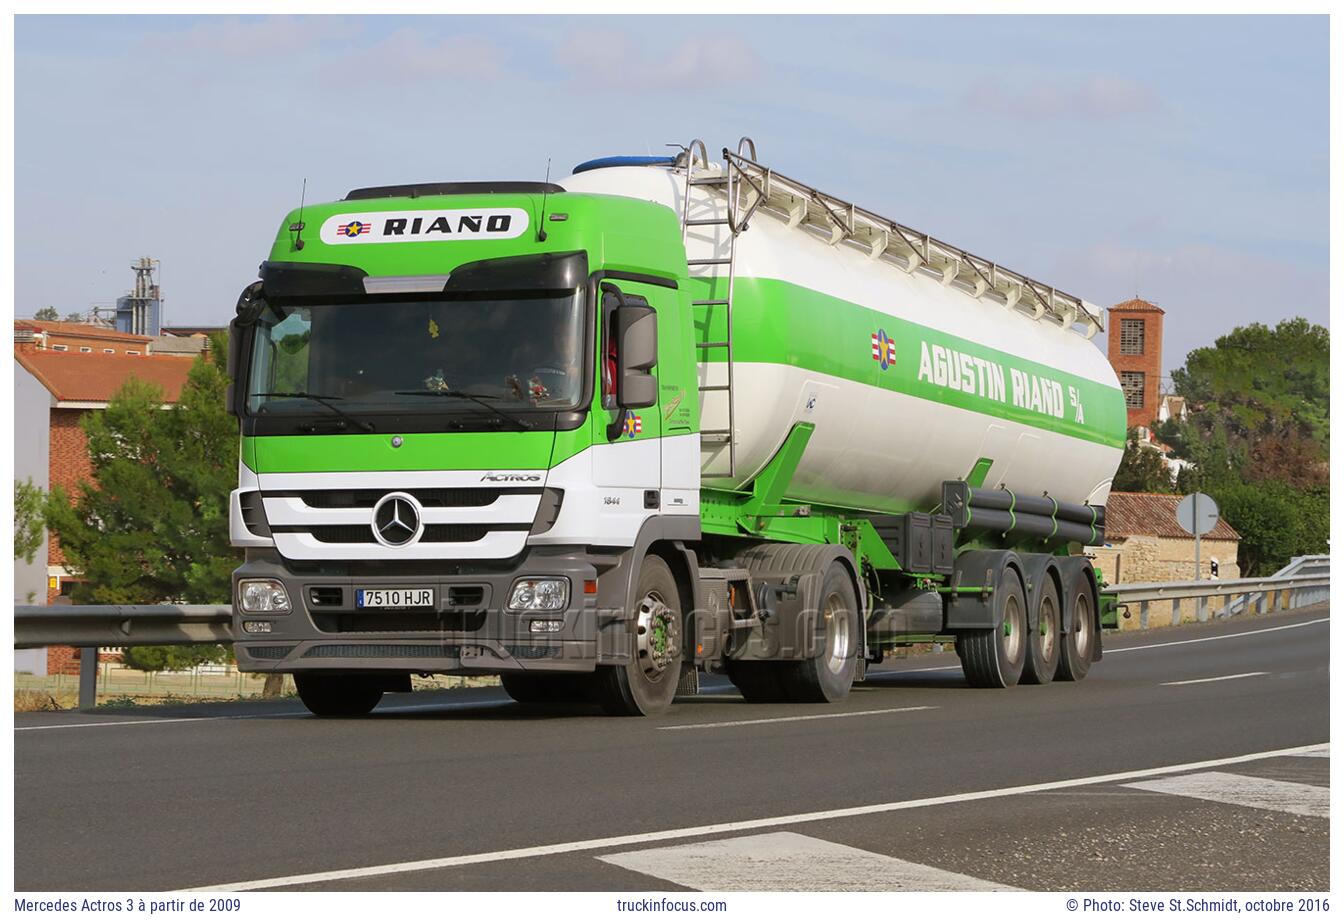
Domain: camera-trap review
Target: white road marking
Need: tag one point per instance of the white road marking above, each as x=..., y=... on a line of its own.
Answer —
x=732, y=827
x=1209, y=680
x=826, y=715
x=1250, y=791
x=1237, y=635
x=1322, y=751
x=482, y=704
x=785, y=861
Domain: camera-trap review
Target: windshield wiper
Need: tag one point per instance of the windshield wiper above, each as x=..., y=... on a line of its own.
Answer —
x=325, y=402
x=478, y=398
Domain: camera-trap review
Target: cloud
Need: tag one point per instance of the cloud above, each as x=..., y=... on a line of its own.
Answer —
x=616, y=60
x=407, y=54
x=264, y=37
x=1096, y=97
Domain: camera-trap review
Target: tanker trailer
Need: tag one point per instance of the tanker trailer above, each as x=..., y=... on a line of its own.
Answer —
x=662, y=418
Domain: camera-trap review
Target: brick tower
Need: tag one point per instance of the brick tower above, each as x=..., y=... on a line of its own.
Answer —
x=1134, y=348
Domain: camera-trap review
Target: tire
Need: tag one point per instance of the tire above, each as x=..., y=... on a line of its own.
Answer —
x=828, y=677
x=1043, y=643
x=758, y=681
x=1075, y=658
x=338, y=696
x=646, y=685
x=995, y=657
x=539, y=689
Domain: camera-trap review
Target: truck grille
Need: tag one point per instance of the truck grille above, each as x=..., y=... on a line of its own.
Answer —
x=434, y=533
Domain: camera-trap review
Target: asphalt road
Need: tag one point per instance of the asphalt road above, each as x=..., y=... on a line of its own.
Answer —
x=1190, y=759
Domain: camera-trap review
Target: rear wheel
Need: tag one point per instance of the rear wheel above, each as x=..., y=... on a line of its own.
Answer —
x=995, y=657
x=646, y=685
x=548, y=688
x=1043, y=646
x=339, y=695
x=828, y=677
x=1080, y=642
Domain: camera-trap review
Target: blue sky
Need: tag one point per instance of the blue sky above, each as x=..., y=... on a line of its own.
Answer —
x=1182, y=157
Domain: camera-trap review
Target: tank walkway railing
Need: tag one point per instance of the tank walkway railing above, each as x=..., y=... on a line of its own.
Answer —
x=1307, y=584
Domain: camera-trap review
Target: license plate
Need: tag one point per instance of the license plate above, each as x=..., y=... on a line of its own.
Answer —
x=394, y=597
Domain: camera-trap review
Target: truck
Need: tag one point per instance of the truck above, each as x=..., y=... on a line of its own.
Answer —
x=663, y=418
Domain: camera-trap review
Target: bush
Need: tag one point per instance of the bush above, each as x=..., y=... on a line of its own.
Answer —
x=173, y=657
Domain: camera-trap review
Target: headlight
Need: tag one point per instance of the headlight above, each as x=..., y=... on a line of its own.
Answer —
x=262, y=595
x=539, y=594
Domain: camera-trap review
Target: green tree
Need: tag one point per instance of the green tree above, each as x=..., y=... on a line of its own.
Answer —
x=74, y=317
x=153, y=525
x=1141, y=469
x=47, y=313
x=29, y=509
x=173, y=657
x=1277, y=521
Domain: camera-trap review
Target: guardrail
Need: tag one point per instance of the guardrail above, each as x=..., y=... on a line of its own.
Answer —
x=100, y=625
x=1253, y=594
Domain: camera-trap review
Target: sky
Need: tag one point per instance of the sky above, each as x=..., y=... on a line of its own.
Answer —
x=1179, y=158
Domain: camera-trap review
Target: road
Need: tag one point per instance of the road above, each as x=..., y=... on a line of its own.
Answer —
x=1190, y=759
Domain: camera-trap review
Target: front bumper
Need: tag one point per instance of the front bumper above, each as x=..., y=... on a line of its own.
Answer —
x=467, y=631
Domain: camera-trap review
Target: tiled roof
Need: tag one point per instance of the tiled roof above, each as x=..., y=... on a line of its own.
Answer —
x=1150, y=514
x=1136, y=304
x=73, y=377
x=86, y=330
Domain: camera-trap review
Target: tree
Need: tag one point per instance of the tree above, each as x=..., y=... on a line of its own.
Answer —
x=1276, y=521
x=74, y=317
x=153, y=526
x=1142, y=469
x=29, y=507
x=47, y=313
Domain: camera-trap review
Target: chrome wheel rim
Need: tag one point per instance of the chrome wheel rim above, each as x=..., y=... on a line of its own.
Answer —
x=657, y=635
x=1049, y=616
x=1082, y=628
x=837, y=634
x=1013, y=624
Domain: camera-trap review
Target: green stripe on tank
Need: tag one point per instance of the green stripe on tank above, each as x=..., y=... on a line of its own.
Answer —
x=776, y=322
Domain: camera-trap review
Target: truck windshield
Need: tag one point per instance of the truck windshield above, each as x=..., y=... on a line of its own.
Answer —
x=517, y=352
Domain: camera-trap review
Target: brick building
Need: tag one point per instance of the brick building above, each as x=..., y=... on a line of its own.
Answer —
x=79, y=338
x=1144, y=543
x=53, y=390
x=1134, y=348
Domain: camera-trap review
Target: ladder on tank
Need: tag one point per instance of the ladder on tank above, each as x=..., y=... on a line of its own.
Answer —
x=719, y=267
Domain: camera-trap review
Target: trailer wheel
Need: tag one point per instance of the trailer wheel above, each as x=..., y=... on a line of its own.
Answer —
x=1043, y=645
x=1075, y=658
x=995, y=657
x=338, y=695
x=646, y=685
x=548, y=688
x=828, y=677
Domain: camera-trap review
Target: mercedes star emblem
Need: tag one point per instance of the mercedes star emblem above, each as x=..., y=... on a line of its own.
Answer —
x=396, y=519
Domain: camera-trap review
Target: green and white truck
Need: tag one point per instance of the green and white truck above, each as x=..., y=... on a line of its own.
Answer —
x=663, y=417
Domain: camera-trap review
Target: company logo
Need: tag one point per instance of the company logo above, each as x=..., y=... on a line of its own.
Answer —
x=511, y=477
x=633, y=424
x=397, y=520
x=884, y=349
x=424, y=226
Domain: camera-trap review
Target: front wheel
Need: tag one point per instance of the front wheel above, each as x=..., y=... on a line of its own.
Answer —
x=338, y=696
x=646, y=685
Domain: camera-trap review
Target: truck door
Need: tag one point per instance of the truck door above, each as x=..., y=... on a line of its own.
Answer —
x=627, y=443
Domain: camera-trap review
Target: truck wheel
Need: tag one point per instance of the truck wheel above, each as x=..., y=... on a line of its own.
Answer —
x=1043, y=645
x=646, y=685
x=828, y=677
x=548, y=688
x=758, y=681
x=338, y=695
x=995, y=657
x=1075, y=658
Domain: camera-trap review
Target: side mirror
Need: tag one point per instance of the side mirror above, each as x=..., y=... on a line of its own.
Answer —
x=250, y=307
x=637, y=352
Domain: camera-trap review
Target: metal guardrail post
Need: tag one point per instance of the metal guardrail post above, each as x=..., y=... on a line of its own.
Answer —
x=1143, y=615
x=88, y=678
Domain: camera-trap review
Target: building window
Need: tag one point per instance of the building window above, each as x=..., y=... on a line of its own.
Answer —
x=85, y=350
x=109, y=351
x=60, y=348
x=1131, y=336
x=1132, y=383
x=129, y=352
